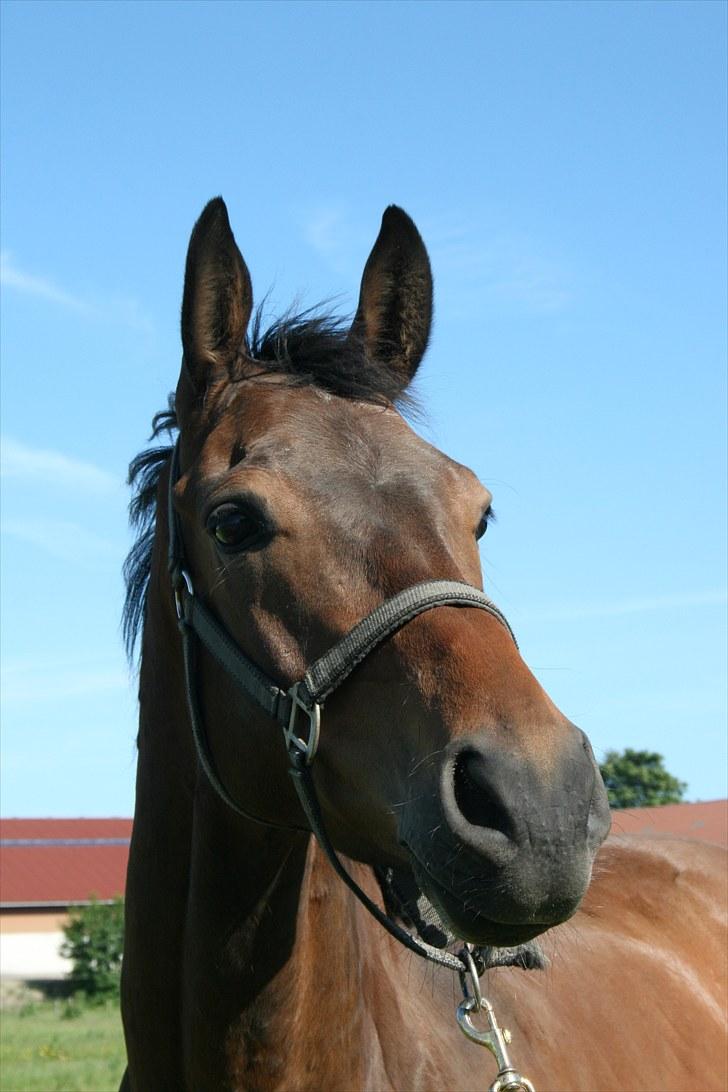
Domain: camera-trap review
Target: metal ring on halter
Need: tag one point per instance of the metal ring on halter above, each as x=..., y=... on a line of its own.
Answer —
x=467, y=957
x=185, y=577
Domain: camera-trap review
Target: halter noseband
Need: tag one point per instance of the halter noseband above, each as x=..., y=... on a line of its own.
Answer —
x=305, y=699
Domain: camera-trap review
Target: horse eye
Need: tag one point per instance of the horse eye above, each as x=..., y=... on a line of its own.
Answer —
x=233, y=528
x=483, y=525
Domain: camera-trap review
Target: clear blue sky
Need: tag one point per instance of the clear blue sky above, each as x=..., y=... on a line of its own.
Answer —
x=566, y=165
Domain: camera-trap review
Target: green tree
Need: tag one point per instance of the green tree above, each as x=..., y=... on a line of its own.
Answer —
x=638, y=779
x=94, y=942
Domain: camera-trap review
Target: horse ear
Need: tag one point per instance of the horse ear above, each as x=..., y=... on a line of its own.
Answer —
x=395, y=301
x=217, y=299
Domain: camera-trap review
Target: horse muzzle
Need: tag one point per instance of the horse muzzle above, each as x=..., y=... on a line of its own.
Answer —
x=503, y=850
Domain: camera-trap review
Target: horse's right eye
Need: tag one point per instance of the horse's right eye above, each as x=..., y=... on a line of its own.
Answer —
x=235, y=528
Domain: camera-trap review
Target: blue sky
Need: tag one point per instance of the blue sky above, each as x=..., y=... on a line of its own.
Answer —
x=566, y=165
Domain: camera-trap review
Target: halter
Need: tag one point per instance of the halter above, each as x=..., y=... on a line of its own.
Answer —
x=298, y=710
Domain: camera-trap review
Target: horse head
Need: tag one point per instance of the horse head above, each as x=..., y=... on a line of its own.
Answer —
x=305, y=500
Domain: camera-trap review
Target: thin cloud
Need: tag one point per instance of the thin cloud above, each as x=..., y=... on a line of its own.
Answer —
x=63, y=539
x=679, y=601
x=29, y=284
x=329, y=231
x=126, y=311
x=481, y=265
x=533, y=281
x=323, y=231
x=42, y=681
x=18, y=460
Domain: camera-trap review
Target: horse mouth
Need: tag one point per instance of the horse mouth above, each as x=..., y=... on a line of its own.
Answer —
x=465, y=920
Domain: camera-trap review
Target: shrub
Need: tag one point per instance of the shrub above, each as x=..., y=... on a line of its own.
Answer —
x=94, y=942
x=638, y=779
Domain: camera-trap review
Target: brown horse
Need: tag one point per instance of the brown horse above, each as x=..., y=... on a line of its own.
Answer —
x=296, y=503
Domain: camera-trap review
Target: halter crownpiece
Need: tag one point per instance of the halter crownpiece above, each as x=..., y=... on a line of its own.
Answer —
x=304, y=702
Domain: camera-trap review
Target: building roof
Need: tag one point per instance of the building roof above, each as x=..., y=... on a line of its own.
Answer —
x=61, y=862
x=706, y=821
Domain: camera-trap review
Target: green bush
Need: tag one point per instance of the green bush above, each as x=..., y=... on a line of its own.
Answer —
x=638, y=779
x=94, y=943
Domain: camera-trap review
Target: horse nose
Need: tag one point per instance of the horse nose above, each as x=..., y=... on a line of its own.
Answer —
x=600, y=817
x=476, y=808
x=501, y=806
x=505, y=845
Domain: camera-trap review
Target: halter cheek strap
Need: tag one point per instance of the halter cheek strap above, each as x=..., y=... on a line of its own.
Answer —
x=304, y=701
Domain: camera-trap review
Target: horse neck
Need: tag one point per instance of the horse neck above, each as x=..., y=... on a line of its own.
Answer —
x=281, y=961
x=272, y=951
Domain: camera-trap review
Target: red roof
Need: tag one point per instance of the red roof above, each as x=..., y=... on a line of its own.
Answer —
x=65, y=828
x=705, y=821
x=56, y=862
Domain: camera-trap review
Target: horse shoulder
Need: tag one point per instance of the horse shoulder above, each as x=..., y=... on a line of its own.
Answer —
x=635, y=993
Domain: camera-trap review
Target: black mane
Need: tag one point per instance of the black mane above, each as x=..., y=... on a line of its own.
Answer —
x=144, y=471
x=309, y=348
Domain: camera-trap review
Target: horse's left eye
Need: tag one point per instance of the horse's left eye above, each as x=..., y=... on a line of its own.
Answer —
x=233, y=528
x=483, y=525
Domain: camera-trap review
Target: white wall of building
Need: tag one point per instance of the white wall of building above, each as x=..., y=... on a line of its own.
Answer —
x=32, y=955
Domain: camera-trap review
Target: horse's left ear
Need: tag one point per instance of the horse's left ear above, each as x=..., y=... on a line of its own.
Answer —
x=217, y=300
x=395, y=302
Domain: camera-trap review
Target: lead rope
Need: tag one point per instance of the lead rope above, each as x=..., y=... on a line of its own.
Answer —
x=307, y=697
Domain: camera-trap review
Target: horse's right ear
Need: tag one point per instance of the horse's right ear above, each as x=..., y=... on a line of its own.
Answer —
x=217, y=302
x=394, y=315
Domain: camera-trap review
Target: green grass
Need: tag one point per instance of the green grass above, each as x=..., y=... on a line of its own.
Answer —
x=61, y=1046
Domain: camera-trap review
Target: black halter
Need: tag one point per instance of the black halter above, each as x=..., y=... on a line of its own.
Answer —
x=304, y=701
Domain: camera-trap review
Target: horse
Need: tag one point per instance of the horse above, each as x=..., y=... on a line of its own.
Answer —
x=344, y=763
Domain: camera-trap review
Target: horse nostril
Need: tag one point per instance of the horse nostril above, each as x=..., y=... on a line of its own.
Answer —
x=476, y=801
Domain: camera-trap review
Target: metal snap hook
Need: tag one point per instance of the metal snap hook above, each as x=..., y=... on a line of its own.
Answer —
x=493, y=1037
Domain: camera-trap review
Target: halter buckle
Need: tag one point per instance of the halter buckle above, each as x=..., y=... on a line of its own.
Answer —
x=294, y=741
